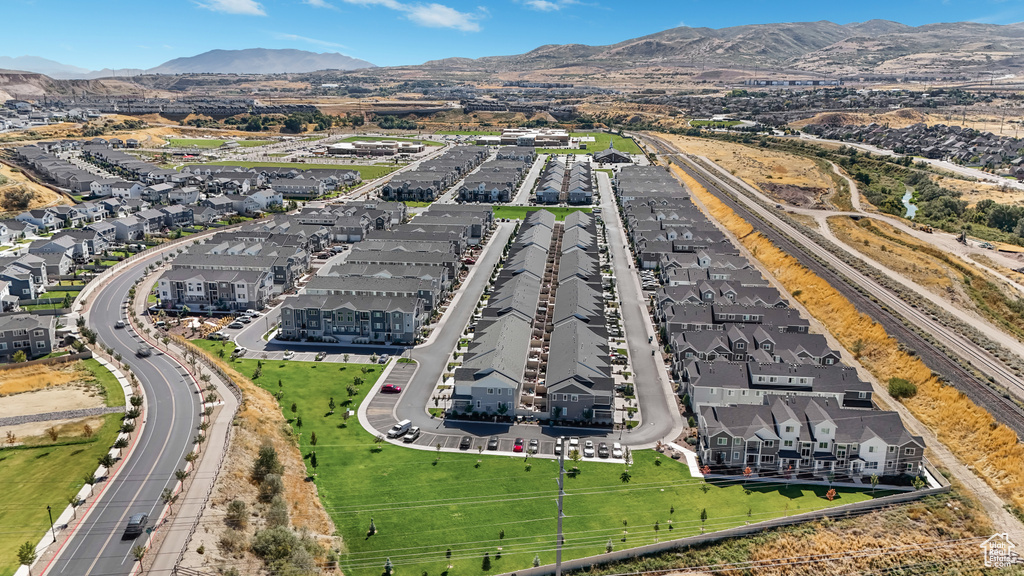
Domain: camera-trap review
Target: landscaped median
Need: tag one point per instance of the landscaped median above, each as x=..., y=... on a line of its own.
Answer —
x=438, y=511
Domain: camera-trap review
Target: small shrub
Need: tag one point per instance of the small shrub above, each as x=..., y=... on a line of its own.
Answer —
x=900, y=388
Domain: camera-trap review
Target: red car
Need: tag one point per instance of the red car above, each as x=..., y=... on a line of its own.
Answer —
x=390, y=389
x=518, y=446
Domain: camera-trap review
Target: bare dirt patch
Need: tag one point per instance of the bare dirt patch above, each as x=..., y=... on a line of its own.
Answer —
x=795, y=195
x=26, y=379
x=51, y=400
x=65, y=428
x=43, y=196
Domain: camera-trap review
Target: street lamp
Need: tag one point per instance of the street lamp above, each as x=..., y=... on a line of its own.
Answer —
x=52, y=532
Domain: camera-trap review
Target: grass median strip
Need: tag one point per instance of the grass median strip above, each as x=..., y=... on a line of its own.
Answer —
x=424, y=503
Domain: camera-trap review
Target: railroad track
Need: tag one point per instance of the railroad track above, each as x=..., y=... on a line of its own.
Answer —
x=1004, y=409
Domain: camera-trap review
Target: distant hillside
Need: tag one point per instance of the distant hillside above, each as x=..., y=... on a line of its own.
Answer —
x=874, y=47
x=259, y=61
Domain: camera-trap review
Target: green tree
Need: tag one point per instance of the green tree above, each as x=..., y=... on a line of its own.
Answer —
x=18, y=357
x=266, y=463
x=486, y=564
x=626, y=476
x=26, y=554
x=107, y=461
x=331, y=405
x=874, y=482
x=901, y=388
x=388, y=566
x=293, y=124
x=274, y=544
x=271, y=487
x=139, y=552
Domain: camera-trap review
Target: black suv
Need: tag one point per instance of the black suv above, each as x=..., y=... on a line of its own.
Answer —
x=136, y=525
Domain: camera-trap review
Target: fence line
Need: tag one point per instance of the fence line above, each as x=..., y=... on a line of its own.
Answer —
x=65, y=359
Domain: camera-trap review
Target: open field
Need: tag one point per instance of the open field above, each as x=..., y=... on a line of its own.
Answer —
x=28, y=378
x=968, y=430
x=974, y=192
x=378, y=138
x=43, y=471
x=715, y=123
x=423, y=503
x=468, y=132
x=787, y=177
x=367, y=172
x=520, y=212
x=413, y=204
x=601, y=141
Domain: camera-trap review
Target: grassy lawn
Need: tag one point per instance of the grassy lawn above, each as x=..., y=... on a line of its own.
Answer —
x=59, y=294
x=715, y=123
x=412, y=204
x=423, y=503
x=367, y=172
x=2, y=248
x=601, y=141
x=46, y=473
x=112, y=390
x=378, y=138
x=469, y=132
x=520, y=212
x=254, y=143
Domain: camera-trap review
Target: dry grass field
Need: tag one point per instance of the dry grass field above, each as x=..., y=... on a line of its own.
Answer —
x=29, y=378
x=968, y=430
x=974, y=192
x=782, y=176
x=43, y=196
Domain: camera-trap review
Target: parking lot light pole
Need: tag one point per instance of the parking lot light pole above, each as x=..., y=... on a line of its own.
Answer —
x=54, y=534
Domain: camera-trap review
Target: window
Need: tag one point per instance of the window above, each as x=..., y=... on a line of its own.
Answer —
x=862, y=394
x=740, y=345
x=768, y=459
x=826, y=430
x=477, y=403
x=723, y=441
x=910, y=467
x=892, y=449
x=789, y=428
x=822, y=445
x=737, y=441
x=3, y=345
x=909, y=452
x=889, y=464
x=871, y=449
x=490, y=390
x=38, y=333
x=40, y=344
x=769, y=443
x=575, y=398
x=830, y=361
x=871, y=466
x=735, y=455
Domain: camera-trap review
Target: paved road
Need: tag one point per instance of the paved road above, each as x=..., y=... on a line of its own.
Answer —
x=171, y=419
x=661, y=419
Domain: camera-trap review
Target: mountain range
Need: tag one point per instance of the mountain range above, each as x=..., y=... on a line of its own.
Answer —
x=249, y=61
x=875, y=47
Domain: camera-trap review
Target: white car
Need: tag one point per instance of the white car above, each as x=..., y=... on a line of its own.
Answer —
x=558, y=445
x=240, y=351
x=574, y=443
x=289, y=354
x=616, y=450
x=588, y=449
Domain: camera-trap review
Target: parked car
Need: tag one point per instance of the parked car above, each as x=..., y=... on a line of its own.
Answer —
x=602, y=449
x=136, y=525
x=399, y=429
x=616, y=450
x=492, y=444
x=289, y=354
x=236, y=325
x=119, y=324
x=390, y=389
x=558, y=446
x=574, y=442
x=252, y=313
x=411, y=435
x=218, y=336
x=241, y=351
x=383, y=359
x=244, y=319
x=517, y=446
x=320, y=356
x=144, y=351
x=534, y=445
x=465, y=443
x=588, y=449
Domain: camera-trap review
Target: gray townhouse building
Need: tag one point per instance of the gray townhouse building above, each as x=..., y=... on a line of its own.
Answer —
x=29, y=333
x=352, y=319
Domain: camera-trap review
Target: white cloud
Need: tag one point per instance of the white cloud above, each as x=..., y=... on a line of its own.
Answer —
x=549, y=5
x=429, y=15
x=308, y=40
x=247, y=7
x=320, y=4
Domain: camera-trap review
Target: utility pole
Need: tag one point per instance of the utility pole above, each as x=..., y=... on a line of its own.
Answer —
x=559, y=539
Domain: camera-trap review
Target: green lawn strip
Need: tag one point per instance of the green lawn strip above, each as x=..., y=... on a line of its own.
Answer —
x=105, y=378
x=254, y=143
x=412, y=204
x=421, y=508
x=715, y=123
x=601, y=141
x=468, y=133
x=40, y=476
x=367, y=172
x=381, y=138
x=520, y=212
x=2, y=248
x=59, y=294
x=194, y=142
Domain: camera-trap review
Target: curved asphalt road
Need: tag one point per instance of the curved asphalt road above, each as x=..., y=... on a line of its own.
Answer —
x=171, y=420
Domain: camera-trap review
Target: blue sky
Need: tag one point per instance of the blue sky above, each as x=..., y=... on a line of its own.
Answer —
x=144, y=33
